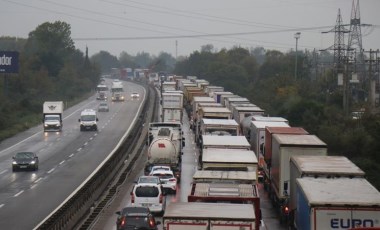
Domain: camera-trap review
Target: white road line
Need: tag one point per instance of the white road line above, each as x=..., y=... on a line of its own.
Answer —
x=19, y=193
x=95, y=134
x=62, y=162
x=3, y=172
x=38, y=180
x=51, y=170
x=2, y=205
x=71, y=155
x=91, y=138
x=79, y=149
x=31, y=187
x=86, y=143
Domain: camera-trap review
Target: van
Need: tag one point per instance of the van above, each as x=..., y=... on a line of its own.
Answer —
x=88, y=120
x=149, y=195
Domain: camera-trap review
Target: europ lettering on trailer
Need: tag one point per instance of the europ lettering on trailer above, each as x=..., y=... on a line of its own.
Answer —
x=9, y=62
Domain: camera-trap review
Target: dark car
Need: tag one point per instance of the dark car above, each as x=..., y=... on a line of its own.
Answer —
x=25, y=160
x=136, y=218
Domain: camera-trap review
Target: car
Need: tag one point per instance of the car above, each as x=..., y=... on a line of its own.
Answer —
x=135, y=95
x=159, y=167
x=167, y=178
x=151, y=196
x=25, y=160
x=132, y=218
x=103, y=107
x=148, y=180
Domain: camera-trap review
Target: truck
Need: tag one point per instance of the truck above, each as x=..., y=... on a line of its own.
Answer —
x=229, y=160
x=318, y=167
x=208, y=216
x=165, y=141
x=245, y=124
x=269, y=131
x=172, y=106
x=52, y=116
x=241, y=112
x=217, y=127
x=223, y=98
x=117, y=91
x=210, y=90
x=339, y=203
x=257, y=138
x=285, y=146
x=88, y=120
x=230, y=100
x=168, y=85
x=217, y=95
x=221, y=194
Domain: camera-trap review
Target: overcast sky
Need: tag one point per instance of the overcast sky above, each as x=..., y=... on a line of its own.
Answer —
x=181, y=27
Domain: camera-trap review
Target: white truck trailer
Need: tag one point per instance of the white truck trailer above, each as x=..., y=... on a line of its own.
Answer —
x=245, y=124
x=52, y=116
x=285, y=146
x=318, y=167
x=229, y=159
x=257, y=137
x=172, y=107
x=217, y=95
x=339, y=203
x=209, y=216
x=222, y=176
x=241, y=112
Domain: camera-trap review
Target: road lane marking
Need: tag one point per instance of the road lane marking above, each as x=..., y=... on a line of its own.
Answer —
x=3, y=172
x=62, y=162
x=79, y=149
x=2, y=205
x=38, y=180
x=31, y=187
x=19, y=193
x=71, y=155
x=91, y=138
x=86, y=143
x=51, y=170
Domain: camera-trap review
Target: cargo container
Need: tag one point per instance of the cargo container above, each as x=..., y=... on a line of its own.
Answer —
x=340, y=203
x=217, y=95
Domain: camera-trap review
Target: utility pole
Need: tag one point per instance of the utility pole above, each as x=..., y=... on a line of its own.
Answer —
x=296, y=36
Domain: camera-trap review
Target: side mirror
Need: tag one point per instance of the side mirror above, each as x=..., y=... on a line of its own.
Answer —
x=97, y=119
x=158, y=222
x=78, y=120
x=13, y=157
x=118, y=213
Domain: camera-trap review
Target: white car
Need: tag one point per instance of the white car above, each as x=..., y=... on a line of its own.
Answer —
x=135, y=95
x=149, y=195
x=168, y=180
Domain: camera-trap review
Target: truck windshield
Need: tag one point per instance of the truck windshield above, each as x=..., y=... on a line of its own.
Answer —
x=88, y=118
x=51, y=118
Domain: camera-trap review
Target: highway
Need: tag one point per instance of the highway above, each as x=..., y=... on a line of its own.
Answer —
x=67, y=159
x=189, y=165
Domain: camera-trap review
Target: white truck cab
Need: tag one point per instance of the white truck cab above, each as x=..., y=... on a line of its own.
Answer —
x=88, y=120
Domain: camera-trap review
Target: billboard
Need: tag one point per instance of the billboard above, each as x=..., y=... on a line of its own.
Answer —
x=8, y=62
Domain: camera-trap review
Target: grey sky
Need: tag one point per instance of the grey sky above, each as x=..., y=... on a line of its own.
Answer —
x=246, y=23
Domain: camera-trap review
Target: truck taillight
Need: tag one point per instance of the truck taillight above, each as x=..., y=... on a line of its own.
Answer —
x=161, y=198
x=132, y=198
x=151, y=222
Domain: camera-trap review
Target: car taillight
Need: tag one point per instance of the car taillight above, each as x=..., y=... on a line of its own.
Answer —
x=161, y=198
x=151, y=223
x=172, y=179
x=286, y=210
x=132, y=198
x=123, y=221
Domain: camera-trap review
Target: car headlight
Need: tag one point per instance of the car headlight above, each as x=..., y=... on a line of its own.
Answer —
x=14, y=162
x=45, y=125
x=32, y=162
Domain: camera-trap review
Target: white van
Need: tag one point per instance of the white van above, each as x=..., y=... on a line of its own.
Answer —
x=88, y=120
x=149, y=195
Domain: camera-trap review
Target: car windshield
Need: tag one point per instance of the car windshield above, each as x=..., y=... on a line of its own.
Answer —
x=88, y=118
x=148, y=180
x=163, y=175
x=146, y=191
x=103, y=104
x=24, y=155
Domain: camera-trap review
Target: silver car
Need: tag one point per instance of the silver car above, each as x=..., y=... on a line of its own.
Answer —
x=103, y=107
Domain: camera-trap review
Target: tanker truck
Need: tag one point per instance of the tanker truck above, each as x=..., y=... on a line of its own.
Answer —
x=165, y=147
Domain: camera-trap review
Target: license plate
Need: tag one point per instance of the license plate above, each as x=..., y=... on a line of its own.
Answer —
x=146, y=205
x=23, y=167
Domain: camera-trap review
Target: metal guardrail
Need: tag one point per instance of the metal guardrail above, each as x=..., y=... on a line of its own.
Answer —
x=80, y=204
